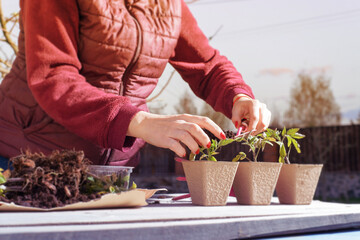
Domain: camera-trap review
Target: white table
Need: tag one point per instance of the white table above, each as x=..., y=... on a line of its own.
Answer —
x=180, y=220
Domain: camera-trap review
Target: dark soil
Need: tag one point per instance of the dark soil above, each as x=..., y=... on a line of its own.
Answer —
x=48, y=181
x=228, y=134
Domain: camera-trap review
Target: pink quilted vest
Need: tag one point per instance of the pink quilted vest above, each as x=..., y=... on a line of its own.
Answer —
x=124, y=46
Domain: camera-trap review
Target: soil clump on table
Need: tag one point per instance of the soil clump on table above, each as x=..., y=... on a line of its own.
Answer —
x=48, y=181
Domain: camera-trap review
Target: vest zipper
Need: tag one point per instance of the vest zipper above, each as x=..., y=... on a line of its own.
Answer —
x=125, y=77
x=136, y=55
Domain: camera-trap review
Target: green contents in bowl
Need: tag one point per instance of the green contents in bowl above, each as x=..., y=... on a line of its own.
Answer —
x=103, y=179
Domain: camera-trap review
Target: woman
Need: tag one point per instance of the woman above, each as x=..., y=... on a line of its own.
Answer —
x=85, y=68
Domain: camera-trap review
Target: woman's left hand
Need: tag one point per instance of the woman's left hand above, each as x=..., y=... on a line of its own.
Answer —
x=255, y=112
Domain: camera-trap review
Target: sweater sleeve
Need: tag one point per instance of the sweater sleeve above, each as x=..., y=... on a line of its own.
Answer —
x=51, y=38
x=211, y=76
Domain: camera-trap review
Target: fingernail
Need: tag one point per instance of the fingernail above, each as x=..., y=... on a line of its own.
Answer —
x=184, y=155
x=222, y=135
x=236, y=124
x=208, y=145
x=198, y=151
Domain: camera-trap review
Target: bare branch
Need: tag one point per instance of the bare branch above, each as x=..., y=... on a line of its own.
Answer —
x=216, y=32
x=13, y=18
x=5, y=30
x=6, y=63
x=4, y=71
x=163, y=88
x=12, y=27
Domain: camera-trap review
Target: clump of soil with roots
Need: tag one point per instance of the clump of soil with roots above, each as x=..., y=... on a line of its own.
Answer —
x=49, y=181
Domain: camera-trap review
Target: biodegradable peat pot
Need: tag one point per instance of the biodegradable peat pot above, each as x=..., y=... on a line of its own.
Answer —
x=209, y=182
x=255, y=182
x=297, y=183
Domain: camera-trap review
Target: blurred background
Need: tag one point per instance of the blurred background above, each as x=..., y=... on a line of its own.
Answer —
x=301, y=57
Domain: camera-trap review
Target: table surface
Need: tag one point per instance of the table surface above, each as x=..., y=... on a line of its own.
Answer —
x=166, y=219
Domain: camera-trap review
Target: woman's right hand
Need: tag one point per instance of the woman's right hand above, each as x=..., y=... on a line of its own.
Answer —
x=168, y=131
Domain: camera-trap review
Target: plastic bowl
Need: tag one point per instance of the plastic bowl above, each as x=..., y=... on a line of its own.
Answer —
x=118, y=175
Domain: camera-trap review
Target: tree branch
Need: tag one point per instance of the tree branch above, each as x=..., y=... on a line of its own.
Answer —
x=5, y=31
x=4, y=71
x=163, y=88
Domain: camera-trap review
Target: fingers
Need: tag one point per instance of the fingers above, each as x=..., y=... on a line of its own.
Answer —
x=207, y=123
x=174, y=132
x=265, y=118
x=254, y=116
x=195, y=132
x=187, y=129
x=256, y=112
x=176, y=147
x=190, y=135
x=261, y=118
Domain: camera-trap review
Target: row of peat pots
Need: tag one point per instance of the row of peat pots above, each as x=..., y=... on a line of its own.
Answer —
x=253, y=183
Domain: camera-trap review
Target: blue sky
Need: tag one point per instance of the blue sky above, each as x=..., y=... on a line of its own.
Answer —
x=271, y=41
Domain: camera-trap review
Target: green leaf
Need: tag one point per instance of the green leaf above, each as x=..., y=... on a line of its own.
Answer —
x=192, y=156
x=2, y=177
x=263, y=144
x=91, y=178
x=133, y=185
x=274, y=134
x=236, y=158
x=125, y=178
x=296, y=145
x=282, y=151
x=281, y=160
x=298, y=136
x=292, y=131
x=270, y=132
x=269, y=142
x=112, y=189
x=212, y=159
x=214, y=144
x=240, y=156
x=226, y=142
x=252, y=140
x=283, y=132
x=289, y=139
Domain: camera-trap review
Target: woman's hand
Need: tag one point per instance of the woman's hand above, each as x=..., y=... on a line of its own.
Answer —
x=168, y=131
x=255, y=112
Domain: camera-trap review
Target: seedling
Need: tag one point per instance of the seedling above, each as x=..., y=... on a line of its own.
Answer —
x=208, y=153
x=286, y=139
x=257, y=143
x=2, y=181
